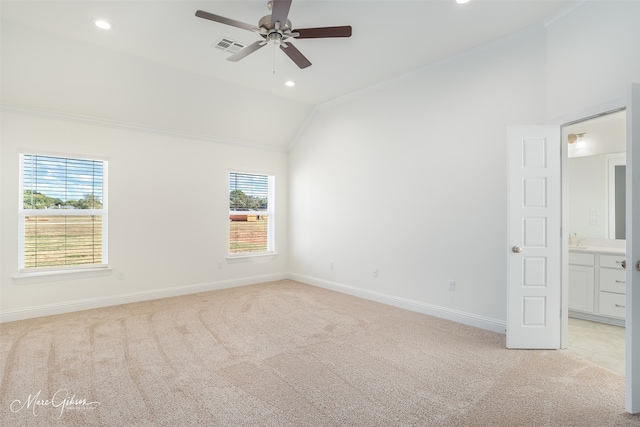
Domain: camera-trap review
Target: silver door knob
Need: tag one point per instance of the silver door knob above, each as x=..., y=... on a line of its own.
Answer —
x=516, y=249
x=624, y=263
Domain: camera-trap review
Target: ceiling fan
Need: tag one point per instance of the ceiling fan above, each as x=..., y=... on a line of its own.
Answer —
x=276, y=29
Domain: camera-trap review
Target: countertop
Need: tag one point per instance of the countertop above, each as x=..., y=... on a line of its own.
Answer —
x=596, y=249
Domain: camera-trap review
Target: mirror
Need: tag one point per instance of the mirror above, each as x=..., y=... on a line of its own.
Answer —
x=595, y=176
x=617, y=193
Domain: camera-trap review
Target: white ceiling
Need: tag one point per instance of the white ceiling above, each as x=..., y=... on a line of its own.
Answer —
x=158, y=69
x=390, y=38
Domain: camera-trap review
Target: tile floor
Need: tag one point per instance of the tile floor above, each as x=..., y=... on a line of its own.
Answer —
x=598, y=342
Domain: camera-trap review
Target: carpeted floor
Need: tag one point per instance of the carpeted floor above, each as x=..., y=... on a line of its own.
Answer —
x=288, y=354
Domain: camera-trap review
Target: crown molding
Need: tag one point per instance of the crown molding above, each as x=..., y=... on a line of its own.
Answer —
x=469, y=53
x=369, y=90
x=564, y=11
x=114, y=124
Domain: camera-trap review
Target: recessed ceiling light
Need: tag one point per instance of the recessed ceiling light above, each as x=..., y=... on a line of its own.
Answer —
x=462, y=1
x=290, y=83
x=103, y=24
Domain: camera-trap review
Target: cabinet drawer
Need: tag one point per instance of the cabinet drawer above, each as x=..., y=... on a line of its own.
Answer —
x=612, y=304
x=581, y=259
x=613, y=280
x=612, y=261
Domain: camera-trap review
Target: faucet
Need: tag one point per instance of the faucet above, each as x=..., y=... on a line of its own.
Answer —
x=574, y=241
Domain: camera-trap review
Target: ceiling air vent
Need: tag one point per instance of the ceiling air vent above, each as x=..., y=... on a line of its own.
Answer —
x=229, y=45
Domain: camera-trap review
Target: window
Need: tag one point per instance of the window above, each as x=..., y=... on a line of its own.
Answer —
x=62, y=213
x=251, y=214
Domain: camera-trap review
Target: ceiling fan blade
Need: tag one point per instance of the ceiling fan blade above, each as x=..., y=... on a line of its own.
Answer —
x=280, y=11
x=246, y=51
x=223, y=20
x=295, y=55
x=323, y=32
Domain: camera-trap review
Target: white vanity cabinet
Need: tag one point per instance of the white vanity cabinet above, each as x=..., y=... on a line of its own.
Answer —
x=597, y=285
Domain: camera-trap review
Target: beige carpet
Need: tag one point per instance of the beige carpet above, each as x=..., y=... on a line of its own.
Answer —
x=288, y=354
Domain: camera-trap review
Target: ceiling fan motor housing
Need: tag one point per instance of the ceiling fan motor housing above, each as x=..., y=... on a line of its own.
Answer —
x=274, y=31
x=265, y=22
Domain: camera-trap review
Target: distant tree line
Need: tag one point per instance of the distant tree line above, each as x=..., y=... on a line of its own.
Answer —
x=239, y=201
x=36, y=200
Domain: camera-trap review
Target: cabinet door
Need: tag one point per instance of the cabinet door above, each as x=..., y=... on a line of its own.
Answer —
x=581, y=288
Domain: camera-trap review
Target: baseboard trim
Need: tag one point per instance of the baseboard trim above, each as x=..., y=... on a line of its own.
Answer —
x=405, y=303
x=597, y=318
x=90, y=303
x=481, y=322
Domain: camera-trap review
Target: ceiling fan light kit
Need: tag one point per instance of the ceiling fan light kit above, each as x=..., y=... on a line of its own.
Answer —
x=276, y=28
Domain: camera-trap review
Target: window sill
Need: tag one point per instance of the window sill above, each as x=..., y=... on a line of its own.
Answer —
x=54, y=276
x=257, y=257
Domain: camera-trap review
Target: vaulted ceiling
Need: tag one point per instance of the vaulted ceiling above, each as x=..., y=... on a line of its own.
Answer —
x=158, y=66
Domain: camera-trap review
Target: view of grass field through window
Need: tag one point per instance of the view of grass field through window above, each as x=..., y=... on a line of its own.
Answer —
x=62, y=240
x=246, y=236
x=62, y=211
x=248, y=213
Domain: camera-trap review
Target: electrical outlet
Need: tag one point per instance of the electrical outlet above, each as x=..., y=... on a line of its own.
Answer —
x=120, y=275
x=375, y=272
x=452, y=285
x=330, y=265
x=219, y=264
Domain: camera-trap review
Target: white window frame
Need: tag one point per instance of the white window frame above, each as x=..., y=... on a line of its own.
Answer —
x=41, y=274
x=271, y=220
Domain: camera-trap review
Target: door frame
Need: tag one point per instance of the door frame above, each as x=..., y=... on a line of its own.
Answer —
x=632, y=332
x=563, y=122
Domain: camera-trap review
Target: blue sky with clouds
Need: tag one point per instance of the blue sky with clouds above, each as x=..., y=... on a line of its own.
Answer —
x=63, y=178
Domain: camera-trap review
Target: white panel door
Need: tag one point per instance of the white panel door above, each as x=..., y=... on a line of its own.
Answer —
x=633, y=253
x=534, y=233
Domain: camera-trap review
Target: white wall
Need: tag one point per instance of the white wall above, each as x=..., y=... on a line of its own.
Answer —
x=593, y=56
x=168, y=214
x=410, y=178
